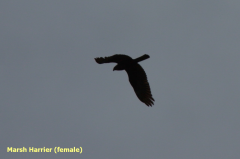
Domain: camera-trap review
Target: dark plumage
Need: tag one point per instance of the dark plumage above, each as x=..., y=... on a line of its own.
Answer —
x=136, y=74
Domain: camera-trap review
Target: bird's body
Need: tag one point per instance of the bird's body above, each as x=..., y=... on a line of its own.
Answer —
x=136, y=74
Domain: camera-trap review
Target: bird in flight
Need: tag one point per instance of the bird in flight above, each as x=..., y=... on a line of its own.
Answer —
x=136, y=74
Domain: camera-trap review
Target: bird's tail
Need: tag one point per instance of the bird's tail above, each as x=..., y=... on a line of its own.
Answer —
x=141, y=58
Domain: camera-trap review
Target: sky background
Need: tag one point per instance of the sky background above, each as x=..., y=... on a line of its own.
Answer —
x=54, y=94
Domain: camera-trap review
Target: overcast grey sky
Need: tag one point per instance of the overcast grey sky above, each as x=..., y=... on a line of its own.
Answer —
x=53, y=93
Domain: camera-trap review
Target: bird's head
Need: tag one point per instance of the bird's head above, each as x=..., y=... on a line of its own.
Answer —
x=118, y=67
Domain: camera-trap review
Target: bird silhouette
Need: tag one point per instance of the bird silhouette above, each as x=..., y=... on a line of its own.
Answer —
x=136, y=74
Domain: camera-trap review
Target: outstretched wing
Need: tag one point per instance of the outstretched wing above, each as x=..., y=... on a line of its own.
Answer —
x=138, y=79
x=115, y=58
